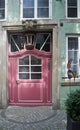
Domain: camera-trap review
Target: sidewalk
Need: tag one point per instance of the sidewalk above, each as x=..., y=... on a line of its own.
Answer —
x=32, y=118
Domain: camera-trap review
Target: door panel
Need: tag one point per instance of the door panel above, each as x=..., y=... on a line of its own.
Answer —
x=29, y=92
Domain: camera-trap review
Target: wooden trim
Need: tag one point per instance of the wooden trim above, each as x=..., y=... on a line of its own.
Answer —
x=66, y=84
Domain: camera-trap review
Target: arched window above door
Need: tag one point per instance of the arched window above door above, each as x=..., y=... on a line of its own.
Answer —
x=41, y=42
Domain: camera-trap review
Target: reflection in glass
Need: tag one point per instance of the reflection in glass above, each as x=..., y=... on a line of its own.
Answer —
x=35, y=76
x=23, y=68
x=28, y=3
x=28, y=13
x=43, y=3
x=2, y=13
x=40, y=40
x=35, y=61
x=24, y=61
x=36, y=69
x=23, y=76
x=2, y=3
x=43, y=12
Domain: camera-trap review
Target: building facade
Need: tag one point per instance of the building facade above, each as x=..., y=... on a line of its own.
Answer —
x=38, y=39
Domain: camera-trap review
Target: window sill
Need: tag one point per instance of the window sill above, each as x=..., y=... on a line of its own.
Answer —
x=71, y=82
x=2, y=20
x=63, y=84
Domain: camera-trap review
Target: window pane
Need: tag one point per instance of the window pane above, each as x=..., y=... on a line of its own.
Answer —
x=23, y=68
x=2, y=3
x=43, y=3
x=35, y=61
x=72, y=12
x=73, y=52
x=36, y=69
x=23, y=76
x=40, y=39
x=75, y=68
x=13, y=47
x=19, y=40
x=72, y=2
x=43, y=12
x=36, y=76
x=28, y=13
x=28, y=3
x=73, y=43
x=2, y=13
x=74, y=56
x=24, y=61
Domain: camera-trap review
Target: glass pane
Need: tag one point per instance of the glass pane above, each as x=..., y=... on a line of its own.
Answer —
x=75, y=68
x=72, y=2
x=23, y=76
x=28, y=13
x=13, y=47
x=40, y=39
x=19, y=40
x=43, y=3
x=36, y=69
x=72, y=12
x=24, y=61
x=2, y=3
x=46, y=47
x=72, y=43
x=28, y=3
x=23, y=68
x=2, y=14
x=36, y=76
x=74, y=56
x=35, y=61
x=43, y=12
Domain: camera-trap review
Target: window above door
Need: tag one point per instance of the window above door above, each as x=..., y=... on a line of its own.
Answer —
x=36, y=9
x=41, y=41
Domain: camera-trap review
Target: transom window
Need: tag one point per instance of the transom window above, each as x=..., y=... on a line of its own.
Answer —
x=73, y=53
x=30, y=67
x=2, y=9
x=36, y=8
x=42, y=41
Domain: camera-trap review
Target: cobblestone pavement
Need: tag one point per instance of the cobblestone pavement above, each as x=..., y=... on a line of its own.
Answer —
x=32, y=118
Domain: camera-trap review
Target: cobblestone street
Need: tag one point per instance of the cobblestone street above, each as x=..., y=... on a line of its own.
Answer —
x=32, y=118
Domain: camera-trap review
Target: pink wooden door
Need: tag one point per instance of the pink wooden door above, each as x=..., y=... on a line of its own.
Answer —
x=30, y=78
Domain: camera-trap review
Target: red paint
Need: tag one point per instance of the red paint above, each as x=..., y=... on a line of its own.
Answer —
x=30, y=92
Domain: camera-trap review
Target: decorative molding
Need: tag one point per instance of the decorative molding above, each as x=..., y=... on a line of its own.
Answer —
x=31, y=52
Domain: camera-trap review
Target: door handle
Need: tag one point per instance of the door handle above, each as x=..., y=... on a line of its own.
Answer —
x=17, y=82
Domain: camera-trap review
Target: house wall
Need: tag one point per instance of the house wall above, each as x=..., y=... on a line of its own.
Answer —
x=69, y=27
x=13, y=18
x=58, y=9
x=59, y=93
x=13, y=10
x=3, y=66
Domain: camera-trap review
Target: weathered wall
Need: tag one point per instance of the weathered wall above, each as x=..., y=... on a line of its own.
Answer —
x=3, y=66
x=58, y=9
x=69, y=27
x=13, y=10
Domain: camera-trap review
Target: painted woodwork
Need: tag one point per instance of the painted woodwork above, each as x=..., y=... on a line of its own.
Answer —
x=30, y=92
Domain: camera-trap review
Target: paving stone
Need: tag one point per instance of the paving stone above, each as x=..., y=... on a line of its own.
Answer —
x=32, y=118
